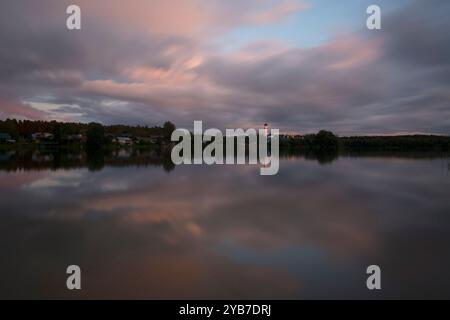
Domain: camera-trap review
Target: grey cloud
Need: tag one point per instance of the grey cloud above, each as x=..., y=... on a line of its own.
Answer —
x=393, y=80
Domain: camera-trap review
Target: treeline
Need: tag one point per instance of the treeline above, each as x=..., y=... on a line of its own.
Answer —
x=323, y=141
x=24, y=129
x=326, y=141
x=396, y=143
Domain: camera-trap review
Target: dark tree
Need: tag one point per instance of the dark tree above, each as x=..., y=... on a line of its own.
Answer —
x=326, y=140
x=168, y=128
x=95, y=135
x=10, y=126
x=56, y=131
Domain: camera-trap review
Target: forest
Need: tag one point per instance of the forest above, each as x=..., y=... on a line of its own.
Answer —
x=23, y=130
x=323, y=141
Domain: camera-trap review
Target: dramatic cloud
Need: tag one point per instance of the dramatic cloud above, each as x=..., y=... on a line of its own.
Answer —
x=151, y=61
x=19, y=111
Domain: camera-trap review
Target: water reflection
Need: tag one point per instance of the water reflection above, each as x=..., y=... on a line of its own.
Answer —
x=224, y=231
x=97, y=159
x=93, y=159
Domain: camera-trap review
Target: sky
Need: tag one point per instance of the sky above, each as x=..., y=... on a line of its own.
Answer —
x=299, y=65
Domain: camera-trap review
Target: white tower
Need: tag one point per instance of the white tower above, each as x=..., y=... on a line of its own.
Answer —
x=266, y=130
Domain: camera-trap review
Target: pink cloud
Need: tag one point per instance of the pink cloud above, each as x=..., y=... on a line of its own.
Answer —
x=352, y=52
x=19, y=111
x=278, y=12
x=187, y=17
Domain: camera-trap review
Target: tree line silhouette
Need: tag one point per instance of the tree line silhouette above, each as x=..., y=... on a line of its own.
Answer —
x=324, y=141
x=96, y=133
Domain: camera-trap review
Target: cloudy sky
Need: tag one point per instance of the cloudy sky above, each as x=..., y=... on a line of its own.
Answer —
x=300, y=65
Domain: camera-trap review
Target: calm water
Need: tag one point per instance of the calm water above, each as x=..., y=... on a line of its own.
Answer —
x=140, y=228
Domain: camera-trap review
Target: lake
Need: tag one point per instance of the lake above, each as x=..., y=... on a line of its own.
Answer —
x=140, y=227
